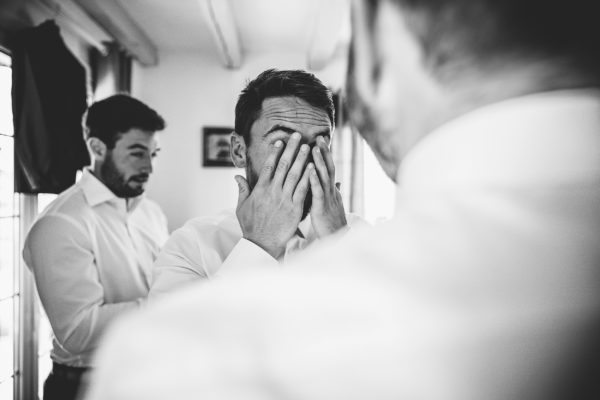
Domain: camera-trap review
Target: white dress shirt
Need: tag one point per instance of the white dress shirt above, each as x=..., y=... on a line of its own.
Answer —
x=91, y=255
x=484, y=285
x=205, y=246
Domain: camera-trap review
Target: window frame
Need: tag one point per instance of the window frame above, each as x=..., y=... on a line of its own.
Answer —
x=25, y=315
x=26, y=362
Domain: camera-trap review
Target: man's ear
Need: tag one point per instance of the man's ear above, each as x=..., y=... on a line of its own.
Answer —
x=238, y=150
x=97, y=148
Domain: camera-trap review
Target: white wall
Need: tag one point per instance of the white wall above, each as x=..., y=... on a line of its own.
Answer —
x=191, y=91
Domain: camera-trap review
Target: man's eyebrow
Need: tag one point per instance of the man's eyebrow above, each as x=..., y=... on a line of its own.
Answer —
x=289, y=130
x=278, y=127
x=137, y=146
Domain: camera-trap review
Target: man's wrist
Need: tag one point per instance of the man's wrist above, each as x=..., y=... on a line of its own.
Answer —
x=330, y=228
x=274, y=250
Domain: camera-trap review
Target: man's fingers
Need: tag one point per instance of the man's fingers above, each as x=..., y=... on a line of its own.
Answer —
x=303, y=185
x=327, y=156
x=244, y=189
x=287, y=159
x=295, y=173
x=268, y=167
x=338, y=185
x=320, y=166
x=315, y=186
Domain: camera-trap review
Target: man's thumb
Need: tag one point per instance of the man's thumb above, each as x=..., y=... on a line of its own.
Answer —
x=244, y=189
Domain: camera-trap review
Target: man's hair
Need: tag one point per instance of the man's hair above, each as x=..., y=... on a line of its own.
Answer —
x=109, y=118
x=275, y=83
x=489, y=31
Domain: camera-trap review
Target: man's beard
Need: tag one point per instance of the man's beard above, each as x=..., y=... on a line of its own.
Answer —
x=252, y=177
x=115, y=180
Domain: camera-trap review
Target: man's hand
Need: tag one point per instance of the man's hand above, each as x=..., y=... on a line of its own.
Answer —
x=327, y=212
x=270, y=214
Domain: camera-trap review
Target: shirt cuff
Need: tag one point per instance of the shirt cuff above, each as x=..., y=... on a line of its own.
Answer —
x=247, y=257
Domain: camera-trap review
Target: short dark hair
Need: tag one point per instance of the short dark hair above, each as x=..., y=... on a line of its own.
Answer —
x=276, y=83
x=487, y=31
x=107, y=119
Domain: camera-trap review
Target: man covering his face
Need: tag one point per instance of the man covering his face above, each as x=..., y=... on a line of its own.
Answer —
x=284, y=122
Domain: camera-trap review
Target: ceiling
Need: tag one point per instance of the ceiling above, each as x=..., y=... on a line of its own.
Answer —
x=171, y=24
x=227, y=29
x=305, y=26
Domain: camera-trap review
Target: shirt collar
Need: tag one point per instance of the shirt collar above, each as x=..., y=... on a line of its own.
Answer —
x=97, y=193
x=495, y=144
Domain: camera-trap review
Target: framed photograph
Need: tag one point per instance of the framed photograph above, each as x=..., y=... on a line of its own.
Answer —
x=216, y=142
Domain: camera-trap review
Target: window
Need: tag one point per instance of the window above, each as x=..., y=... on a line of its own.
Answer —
x=366, y=189
x=21, y=317
x=44, y=337
x=379, y=190
x=9, y=239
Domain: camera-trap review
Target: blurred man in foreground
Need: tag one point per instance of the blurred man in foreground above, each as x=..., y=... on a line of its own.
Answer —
x=484, y=286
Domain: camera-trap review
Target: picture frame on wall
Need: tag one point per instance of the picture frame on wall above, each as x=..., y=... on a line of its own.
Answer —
x=216, y=146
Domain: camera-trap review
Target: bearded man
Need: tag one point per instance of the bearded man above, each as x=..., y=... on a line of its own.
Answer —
x=91, y=251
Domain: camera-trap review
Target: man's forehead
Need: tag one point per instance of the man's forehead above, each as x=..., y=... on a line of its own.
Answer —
x=293, y=110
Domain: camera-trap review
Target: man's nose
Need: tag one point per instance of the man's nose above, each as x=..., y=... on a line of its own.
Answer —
x=148, y=165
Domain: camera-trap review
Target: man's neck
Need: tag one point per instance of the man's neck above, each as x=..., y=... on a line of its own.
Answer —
x=95, y=170
x=502, y=83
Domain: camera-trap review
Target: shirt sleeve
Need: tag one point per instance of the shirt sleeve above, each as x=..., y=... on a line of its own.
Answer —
x=356, y=222
x=179, y=263
x=247, y=257
x=60, y=255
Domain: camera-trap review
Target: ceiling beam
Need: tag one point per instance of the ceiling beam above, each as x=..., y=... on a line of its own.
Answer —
x=81, y=24
x=224, y=31
x=68, y=15
x=330, y=32
x=111, y=15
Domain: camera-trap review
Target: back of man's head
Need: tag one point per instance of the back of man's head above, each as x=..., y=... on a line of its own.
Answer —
x=108, y=118
x=490, y=33
x=275, y=83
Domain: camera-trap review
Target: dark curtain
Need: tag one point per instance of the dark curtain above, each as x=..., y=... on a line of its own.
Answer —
x=111, y=72
x=49, y=98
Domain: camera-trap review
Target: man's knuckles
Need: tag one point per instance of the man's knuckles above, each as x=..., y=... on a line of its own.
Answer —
x=283, y=166
x=293, y=176
x=268, y=167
